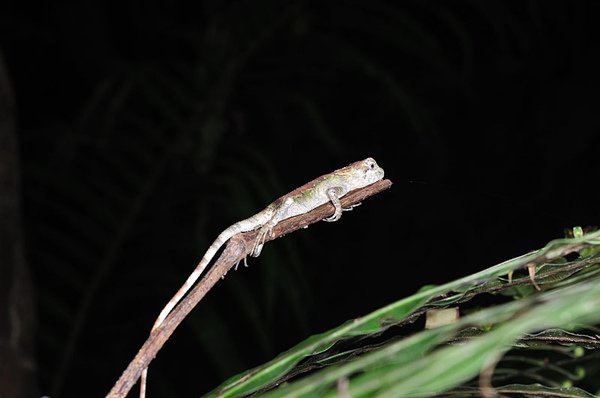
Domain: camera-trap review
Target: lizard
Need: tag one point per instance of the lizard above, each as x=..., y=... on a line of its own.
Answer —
x=327, y=188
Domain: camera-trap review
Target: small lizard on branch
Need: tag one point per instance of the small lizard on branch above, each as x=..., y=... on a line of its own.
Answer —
x=286, y=214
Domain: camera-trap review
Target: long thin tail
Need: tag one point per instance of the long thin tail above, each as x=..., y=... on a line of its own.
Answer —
x=248, y=224
x=187, y=285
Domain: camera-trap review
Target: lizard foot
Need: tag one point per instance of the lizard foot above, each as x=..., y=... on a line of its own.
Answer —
x=265, y=231
x=337, y=215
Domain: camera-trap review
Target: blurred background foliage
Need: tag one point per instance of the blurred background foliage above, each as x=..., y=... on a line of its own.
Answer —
x=147, y=128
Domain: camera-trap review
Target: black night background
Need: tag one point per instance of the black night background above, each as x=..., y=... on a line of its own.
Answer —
x=142, y=129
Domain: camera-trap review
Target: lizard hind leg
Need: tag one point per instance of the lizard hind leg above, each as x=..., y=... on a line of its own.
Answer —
x=277, y=214
x=265, y=230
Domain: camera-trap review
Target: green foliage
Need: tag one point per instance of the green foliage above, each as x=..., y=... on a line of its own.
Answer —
x=448, y=358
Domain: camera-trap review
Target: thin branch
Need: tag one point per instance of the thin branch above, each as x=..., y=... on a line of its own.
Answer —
x=237, y=248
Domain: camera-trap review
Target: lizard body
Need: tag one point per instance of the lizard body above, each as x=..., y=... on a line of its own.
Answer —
x=327, y=188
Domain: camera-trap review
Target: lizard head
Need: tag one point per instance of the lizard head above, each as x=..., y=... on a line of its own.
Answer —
x=366, y=172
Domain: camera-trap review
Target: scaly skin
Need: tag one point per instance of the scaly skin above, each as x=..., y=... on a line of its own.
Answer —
x=327, y=188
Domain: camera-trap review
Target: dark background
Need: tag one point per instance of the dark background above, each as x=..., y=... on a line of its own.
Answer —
x=144, y=129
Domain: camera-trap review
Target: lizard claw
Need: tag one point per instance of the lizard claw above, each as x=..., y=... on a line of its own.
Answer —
x=257, y=248
x=238, y=263
x=336, y=216
x=352, y=206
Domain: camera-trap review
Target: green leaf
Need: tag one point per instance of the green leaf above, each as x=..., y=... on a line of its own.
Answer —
x=524, y=390
x=422, y=365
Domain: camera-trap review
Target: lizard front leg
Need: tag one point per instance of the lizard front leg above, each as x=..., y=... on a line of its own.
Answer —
x=334, y=194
